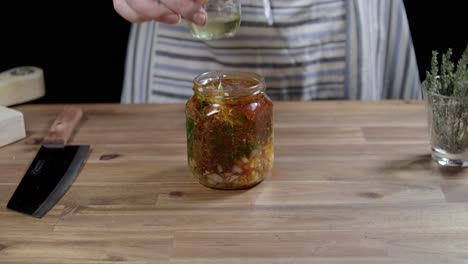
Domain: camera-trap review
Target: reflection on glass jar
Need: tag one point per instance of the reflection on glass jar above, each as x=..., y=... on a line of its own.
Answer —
x=229, y=130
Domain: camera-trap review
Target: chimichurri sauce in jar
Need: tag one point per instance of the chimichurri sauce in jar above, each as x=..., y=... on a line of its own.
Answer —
x=229, y=130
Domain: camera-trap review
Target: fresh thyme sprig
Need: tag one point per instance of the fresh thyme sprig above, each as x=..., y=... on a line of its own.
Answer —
x=446, y=79
x=447, y=88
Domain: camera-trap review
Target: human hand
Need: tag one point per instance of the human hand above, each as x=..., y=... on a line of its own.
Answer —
x=164, y=11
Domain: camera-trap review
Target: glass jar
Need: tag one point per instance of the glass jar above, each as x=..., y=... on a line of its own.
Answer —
x=229, y=122
x=447, y=120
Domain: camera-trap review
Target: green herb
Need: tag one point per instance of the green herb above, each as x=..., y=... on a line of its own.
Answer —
x=203, y=103
x=444, y=79
x=222, y=134
x=242, y=118
x=447, y=87
x=190, y=127
x=244, y=150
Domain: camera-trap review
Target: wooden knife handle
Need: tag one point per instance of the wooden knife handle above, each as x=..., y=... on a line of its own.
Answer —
x=63, y=126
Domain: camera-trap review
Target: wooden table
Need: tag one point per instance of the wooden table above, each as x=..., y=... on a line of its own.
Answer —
x=353, y=182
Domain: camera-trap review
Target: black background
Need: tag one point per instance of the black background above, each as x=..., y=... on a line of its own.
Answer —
x=437, y=25
x=81, y=45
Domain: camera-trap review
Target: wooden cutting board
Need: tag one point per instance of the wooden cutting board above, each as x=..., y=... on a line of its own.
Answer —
x=12, y=126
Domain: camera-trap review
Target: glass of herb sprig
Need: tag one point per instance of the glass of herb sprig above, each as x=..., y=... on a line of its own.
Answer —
x=224, y=17
x=229, y=130
x=445, y=93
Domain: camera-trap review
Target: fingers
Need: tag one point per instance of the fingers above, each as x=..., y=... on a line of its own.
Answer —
x=170, y=19
x=154, y=10
x=190, y=9
x=124, y=10
x=201, y=2
x=165, y=11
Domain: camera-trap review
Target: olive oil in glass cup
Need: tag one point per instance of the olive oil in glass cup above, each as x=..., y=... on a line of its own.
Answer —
x=224, y=17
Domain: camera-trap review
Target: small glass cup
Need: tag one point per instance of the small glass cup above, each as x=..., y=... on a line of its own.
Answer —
x=224, y=17
x=447, y=119
x=229, y=130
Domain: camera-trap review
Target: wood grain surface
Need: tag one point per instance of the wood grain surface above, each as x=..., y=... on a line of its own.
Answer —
x=353, y=182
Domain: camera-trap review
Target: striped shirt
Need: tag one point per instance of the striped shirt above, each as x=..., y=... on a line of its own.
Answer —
x=305, y=49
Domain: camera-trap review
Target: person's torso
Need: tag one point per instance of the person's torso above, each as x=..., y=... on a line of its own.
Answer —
x=300, y=50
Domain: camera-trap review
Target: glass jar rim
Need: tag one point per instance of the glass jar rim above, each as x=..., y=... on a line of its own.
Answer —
x=259, y=87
